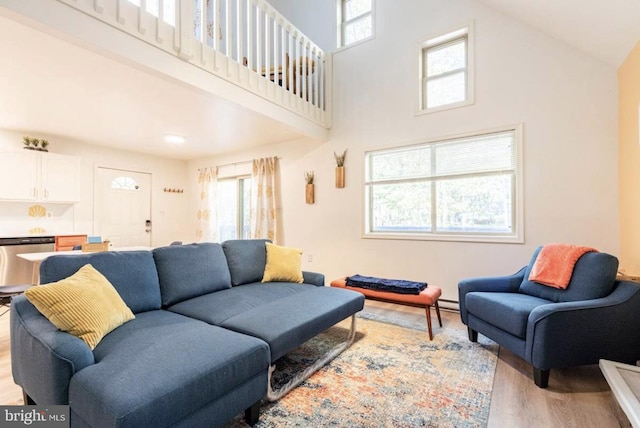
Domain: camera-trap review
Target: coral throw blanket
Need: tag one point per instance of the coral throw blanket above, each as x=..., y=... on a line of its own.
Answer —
x=555, y=262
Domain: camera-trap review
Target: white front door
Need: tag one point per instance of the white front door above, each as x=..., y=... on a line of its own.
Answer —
x=123, y=207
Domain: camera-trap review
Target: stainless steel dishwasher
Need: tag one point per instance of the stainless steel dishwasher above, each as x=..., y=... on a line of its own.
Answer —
x=13, y=269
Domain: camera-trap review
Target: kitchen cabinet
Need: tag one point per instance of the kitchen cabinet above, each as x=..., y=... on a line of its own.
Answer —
x=39, y=177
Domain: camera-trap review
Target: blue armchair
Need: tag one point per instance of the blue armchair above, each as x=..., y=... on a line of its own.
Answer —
x=595, y=317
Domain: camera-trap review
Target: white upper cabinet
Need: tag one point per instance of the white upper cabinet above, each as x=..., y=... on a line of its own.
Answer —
x=37, y=176
x=60, y=176
x=18, y=176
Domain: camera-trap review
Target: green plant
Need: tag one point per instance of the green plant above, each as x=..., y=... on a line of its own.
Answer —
x=44, y=143
x=35, y=142
x=340, y=158
x=308, y=177
x=26, y=141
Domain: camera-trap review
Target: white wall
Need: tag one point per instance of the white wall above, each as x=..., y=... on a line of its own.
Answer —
x=565, y=99
x=169, y=211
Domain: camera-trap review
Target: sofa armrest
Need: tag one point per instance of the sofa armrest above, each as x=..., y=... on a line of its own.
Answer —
x=313, y=278
x=582, y=332
x=43, y=358
x=501, y=284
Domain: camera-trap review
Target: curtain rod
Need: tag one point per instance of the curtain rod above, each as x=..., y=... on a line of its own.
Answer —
x=240, y=163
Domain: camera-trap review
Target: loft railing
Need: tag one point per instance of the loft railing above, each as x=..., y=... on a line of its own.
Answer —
x=246, y=42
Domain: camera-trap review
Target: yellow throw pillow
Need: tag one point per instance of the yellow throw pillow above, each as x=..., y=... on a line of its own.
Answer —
x=283, y=264
x=84, y=304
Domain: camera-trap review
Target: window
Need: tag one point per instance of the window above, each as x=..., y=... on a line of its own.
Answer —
x=446, y=71
x=355, y=21
x=232, y=205
x=168, y=9
x=466, y=188
x=124, y=183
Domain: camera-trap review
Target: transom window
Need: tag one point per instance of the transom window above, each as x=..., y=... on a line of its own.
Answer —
x=465, y=188
x=445, y=70
x=355, y=21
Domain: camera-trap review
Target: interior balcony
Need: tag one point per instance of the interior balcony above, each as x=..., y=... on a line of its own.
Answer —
x=241, y=52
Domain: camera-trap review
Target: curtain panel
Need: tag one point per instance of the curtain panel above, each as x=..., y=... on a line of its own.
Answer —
x=207, y=228
x=263, y=213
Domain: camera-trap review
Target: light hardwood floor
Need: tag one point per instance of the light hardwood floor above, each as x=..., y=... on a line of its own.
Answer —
x=576, y=397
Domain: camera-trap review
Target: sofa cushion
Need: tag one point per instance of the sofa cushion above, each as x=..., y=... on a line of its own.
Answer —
x=593, y=277
x=160, y=368
x=288, y=322
x=283, y=314
x=84, y=304
x=507, y=311
x=283, y=264
x=246, y=259
x=187, y=271
x=132, y=273
x=215, y=308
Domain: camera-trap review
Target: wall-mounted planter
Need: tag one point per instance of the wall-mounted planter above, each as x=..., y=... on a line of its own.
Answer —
x=310, y=194
x=340, y=177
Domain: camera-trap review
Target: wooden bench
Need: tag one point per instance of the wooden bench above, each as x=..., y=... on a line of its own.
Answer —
x=427, y=298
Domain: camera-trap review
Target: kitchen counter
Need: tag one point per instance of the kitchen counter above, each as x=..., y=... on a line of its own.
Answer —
x=37, y=257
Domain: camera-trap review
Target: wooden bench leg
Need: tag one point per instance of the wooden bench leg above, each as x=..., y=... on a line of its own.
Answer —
x=438, y=313
x=428, y=311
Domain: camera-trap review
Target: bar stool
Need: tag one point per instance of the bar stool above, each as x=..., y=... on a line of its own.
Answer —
x=7, y=292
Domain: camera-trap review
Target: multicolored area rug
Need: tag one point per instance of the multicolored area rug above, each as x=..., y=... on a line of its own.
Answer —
x=391, y=376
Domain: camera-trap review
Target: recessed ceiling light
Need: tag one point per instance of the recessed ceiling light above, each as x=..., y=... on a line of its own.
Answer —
x=175, y=139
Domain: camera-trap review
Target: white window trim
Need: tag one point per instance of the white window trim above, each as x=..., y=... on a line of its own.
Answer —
x=446, y=37
x=340, y=46
x=517, y=237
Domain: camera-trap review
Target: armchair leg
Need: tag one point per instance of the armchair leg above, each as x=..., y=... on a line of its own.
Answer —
x=473, y=335
x=541, y=377
x=28, y=401
x=252, y=414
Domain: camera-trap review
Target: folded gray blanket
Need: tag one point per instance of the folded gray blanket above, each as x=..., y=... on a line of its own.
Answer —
x=382, y=284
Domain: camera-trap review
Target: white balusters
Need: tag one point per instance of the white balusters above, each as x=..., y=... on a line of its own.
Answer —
x=290, y=69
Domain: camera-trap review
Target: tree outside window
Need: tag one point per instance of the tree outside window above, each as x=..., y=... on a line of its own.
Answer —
x=464, y=188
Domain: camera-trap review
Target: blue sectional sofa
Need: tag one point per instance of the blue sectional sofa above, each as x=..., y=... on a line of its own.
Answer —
x=200, y=349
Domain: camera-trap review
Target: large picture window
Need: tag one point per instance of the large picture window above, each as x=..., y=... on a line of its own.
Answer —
x=463, y=188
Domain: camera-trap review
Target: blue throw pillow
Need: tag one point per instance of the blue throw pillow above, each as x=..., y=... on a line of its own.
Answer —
x=246, y=259
x=132, y=273
x=187, y=271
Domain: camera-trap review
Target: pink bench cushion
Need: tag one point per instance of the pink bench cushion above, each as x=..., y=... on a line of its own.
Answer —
x=428, y=296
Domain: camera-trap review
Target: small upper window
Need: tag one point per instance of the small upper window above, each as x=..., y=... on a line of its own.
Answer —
x=446, y=71
x=355, y=21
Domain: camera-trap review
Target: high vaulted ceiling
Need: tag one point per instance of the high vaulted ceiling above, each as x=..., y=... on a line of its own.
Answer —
x=54, y=87
x=605, y=29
